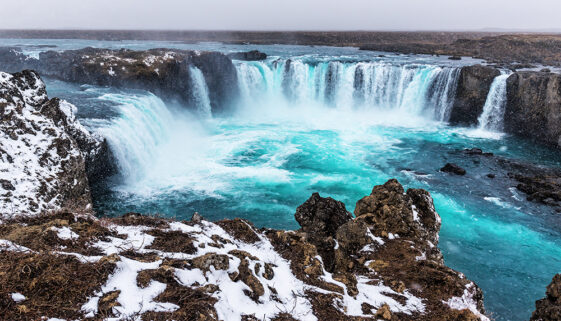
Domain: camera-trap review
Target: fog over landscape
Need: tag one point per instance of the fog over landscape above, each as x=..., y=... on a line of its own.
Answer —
x=519, y=15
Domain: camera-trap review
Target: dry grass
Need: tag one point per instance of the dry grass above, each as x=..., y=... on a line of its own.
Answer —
x=54, y=285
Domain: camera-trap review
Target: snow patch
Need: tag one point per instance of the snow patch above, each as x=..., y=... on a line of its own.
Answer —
x=18, y=297
x=466, y=301
x=65, y=233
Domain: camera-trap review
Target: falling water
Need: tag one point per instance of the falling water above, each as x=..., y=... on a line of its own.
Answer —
x=135, y=137
x=200, y=92
x=492, y=116
x=417, y=89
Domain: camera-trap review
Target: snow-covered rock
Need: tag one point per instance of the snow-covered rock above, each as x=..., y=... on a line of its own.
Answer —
x=151, y=268
x=42, y=166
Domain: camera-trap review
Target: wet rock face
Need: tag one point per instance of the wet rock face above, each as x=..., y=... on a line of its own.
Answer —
x=543, y=188
x=533, y=106
x=41, y=163
x=549, y=308
x=473, y=86
x=164, y=72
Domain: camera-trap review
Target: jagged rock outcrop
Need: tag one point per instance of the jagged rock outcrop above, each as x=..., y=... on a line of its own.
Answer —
x=44, y=151
x=387, y=266
x=549, y=308
x=473, y=87
x=533, y=108
x=394, y=237
x=165, y=72
x=320, y=218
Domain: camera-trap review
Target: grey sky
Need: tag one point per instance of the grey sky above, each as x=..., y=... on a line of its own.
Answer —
x=281, y=14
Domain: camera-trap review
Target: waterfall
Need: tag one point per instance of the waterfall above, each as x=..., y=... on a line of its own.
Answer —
x=134, y=136
x=152, y=142
x=148, y=138
x=416, y=88
x=201, y=98
x=492, y=116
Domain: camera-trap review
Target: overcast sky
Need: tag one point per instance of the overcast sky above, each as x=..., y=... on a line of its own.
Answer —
x=281, y=14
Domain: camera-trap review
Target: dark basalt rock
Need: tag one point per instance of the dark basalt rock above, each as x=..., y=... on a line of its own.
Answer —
x=13, y=60
x=99, y=160
x=544, y=188
x=473, y=86
x=7, y=185
x=549, y=308
x=453, y=168
x=320, y=218
x=47, y=129
x=533, y=106
x=392, y=210
x=197, y=218
x=253, y=55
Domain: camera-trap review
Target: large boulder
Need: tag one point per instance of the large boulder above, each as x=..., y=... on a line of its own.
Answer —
x=473, y=87
x=533, y=107
x=453, y=168
x=549, y=308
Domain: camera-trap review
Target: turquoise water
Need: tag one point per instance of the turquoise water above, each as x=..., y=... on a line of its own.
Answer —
x=295, y=133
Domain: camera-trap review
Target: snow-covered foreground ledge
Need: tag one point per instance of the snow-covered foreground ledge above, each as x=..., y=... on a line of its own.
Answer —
x=383, y=264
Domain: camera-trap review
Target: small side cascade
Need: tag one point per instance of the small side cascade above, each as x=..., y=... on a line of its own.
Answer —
x=200, y=92
x=492, y=117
